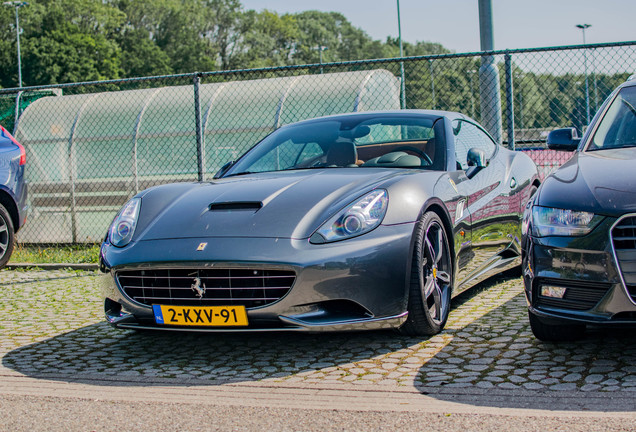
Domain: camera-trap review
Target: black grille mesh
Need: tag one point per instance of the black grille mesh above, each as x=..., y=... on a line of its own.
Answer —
x=206, y=287
x=577, y=297
x=624, y=240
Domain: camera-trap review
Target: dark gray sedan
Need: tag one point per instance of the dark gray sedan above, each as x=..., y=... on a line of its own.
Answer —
x=357, y=221
x=580, y=230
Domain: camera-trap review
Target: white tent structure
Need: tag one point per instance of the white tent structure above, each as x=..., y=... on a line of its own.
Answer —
x=88, y=153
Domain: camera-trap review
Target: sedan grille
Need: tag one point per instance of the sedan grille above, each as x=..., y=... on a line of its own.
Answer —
x=206, y=287
x=624, y=241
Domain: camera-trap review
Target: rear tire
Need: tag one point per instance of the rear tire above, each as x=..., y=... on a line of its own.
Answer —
x=431, y=279
x=561, y=332
x=7, y=236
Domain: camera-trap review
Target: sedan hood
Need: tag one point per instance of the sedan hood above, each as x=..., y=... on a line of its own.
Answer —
x=602, y=182
x=277, y=205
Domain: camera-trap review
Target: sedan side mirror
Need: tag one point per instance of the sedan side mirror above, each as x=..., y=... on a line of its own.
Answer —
x=476, y=160
x=566, y=139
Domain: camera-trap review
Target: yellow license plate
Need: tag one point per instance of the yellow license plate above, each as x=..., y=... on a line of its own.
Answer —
x=213, y=316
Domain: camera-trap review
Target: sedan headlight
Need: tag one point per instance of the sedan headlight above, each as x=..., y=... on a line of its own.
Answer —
x=123, y=227
x=358, y=218
x=548, y=221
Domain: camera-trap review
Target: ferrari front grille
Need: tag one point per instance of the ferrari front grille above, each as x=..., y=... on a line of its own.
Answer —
x=206, y=287
x=624, y=242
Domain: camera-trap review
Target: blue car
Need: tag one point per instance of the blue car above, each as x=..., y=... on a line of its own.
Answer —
x=13, y=192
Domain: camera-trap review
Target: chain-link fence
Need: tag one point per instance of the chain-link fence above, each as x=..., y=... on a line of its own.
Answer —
x=91, y=146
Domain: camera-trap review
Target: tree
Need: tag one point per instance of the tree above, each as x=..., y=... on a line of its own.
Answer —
x=141, y=56
x=332, y=30
x=183, y=36
x=268, y=40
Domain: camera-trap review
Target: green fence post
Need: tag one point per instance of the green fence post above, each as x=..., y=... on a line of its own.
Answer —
x=199, y=129
x=510, y=112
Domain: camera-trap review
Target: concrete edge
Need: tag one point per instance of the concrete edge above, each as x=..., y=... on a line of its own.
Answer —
x=309, y=397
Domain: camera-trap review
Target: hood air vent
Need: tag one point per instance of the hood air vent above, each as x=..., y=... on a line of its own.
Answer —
x=236, y=206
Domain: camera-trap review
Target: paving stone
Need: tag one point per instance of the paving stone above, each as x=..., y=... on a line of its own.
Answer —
x=52, y=322
x=563, y=386
x=517, y=379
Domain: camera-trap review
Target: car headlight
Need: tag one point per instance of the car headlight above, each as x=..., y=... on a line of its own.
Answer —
x=548, y=221
x=356, y=219
x=123, y=227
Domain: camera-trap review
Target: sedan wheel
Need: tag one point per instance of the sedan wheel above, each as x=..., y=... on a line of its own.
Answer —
x=6, y=237
x=431, y=279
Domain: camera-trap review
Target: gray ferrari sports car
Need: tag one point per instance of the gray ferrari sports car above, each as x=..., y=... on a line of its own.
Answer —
x=357, y=221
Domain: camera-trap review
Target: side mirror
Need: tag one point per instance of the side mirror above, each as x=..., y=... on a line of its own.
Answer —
x=223, y=170
x=476, y=160
x=566, y=139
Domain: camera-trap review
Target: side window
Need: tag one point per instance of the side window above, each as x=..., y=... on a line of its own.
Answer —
x=468, y=136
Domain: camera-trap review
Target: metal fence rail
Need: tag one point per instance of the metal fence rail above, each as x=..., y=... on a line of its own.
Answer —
x=91, y=146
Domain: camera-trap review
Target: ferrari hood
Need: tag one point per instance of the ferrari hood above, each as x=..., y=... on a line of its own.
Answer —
x=277, y=205
x=602, y=182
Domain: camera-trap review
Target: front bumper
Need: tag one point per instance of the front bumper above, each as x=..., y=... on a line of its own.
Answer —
x=355, y=284
x=587, y=268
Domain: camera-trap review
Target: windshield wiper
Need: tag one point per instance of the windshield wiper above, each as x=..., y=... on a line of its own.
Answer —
x=238, y=174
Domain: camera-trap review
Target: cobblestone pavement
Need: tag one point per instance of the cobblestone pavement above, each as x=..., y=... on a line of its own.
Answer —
x=51, y=323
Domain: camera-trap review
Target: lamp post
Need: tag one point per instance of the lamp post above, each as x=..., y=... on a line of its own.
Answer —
x=320, y=49
x=402, y=87
x=587, y=87
x=17, y=5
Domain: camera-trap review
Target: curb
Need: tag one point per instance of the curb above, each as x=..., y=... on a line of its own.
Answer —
x=53, y=266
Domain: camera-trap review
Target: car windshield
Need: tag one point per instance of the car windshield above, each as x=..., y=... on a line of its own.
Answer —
x=617, y=129
x=347, y=142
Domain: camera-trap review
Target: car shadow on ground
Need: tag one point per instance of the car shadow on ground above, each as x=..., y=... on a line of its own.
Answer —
x=496, y=354
x=486, y=348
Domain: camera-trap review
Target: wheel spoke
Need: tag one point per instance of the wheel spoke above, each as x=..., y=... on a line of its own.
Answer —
x=440, y=246
x=430, y=251
x=443, y=277
x=436, y=307
x=429, y=286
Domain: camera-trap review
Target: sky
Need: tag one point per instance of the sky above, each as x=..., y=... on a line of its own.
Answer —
x=455, y=23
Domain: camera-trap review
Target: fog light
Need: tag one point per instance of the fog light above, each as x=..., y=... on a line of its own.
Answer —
x=552, y=291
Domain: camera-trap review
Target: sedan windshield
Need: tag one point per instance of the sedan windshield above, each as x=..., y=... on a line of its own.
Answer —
x=617, y=129
x=347, y=142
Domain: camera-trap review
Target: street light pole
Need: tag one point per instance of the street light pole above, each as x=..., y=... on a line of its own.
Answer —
x=321, y=48
x=403, y=87
x=17, y=5
x=587, y=87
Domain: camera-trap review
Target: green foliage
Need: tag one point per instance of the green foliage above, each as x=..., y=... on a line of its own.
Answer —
x=80, y=40
x=71, y=254
x=89, y=40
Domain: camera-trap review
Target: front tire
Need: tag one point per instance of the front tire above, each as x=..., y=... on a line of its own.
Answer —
x=431, y=279
x=558, y=332
x=7, y=236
